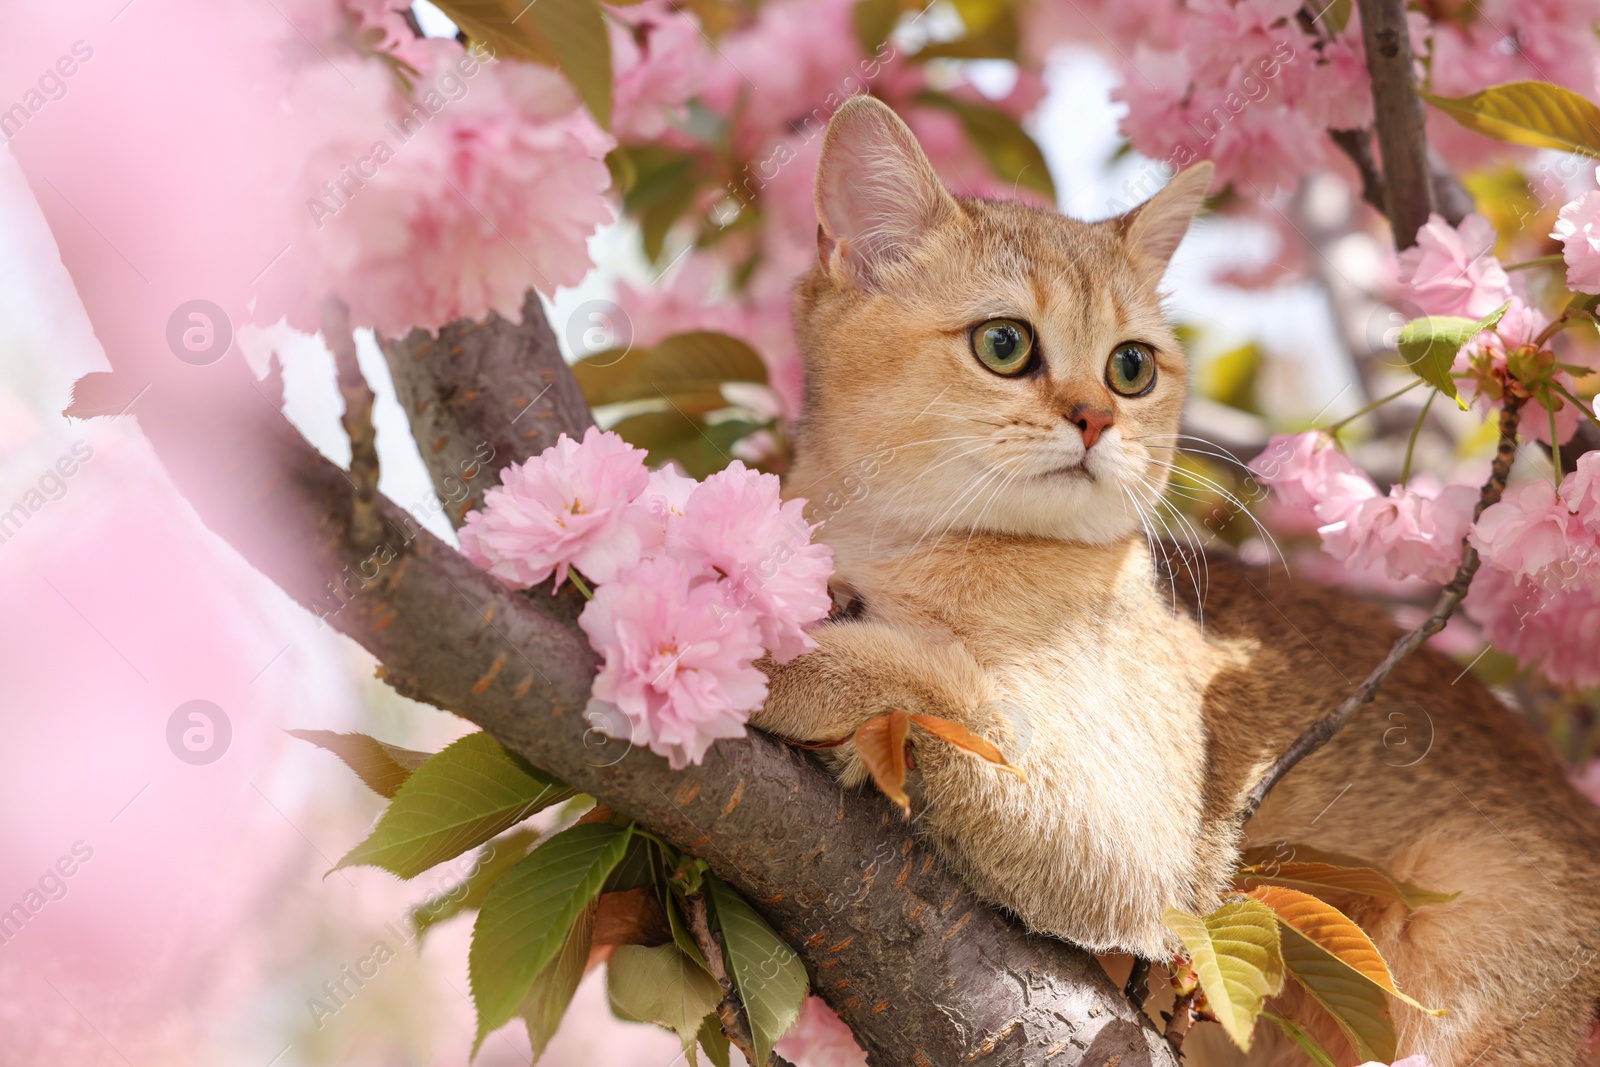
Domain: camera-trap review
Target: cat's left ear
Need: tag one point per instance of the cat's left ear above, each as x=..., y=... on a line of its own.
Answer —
x=1153, y=230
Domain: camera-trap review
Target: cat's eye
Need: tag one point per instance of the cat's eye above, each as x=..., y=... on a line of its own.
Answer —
x=1131, y=370
x=1005, y=346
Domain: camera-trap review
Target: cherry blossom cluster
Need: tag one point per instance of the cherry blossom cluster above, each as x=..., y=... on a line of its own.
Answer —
x=693, y=581
x=1537, y=595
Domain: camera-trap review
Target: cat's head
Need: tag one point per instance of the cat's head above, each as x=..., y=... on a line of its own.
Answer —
x=1017, y=362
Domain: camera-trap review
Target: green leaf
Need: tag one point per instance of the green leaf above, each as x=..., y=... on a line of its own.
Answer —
x=663, y=986
x=666, y=185
x=714, y=1042
x=569, y=34
x=1536, y=114
x=1001, y=140
x=553, y=987
x=1360, y=1008
x=457, y=800
x=493, y=860
x=1308, y=1044
x=1235, y=953
x=1430, y=345
x=874, y=21
x=1336, y=16
x=383, y=767
x=687, y=367
x=767, y=973
x=526, y=916
x=680, y=933
x=1307, y=868
x=991, y=33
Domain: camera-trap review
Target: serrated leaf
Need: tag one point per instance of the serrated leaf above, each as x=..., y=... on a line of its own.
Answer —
x=881, y=747
x=526, y=916
x=569, y=34
x=383, y=767
x=1001, y=140
x=663, y=986
x=965, y=740
x=713, y=1042
x=1334, y=931
x=494, y=860
x=688, y=368
x=1537, y=114
x=552, y=989
x=457, y=800
x=1308, y=868
x=1360, y=1008
x=1235, y=953
x=1430, y=344
x=767, y=973
x=681, y=936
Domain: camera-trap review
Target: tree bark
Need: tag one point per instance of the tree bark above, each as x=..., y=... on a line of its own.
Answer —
x=1398, y=118
x=923, y=971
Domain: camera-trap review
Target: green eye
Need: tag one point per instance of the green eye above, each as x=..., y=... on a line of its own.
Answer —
x=1131, y=370
x=1005, y=346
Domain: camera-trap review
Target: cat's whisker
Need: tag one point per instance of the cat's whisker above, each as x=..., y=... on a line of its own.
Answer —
x=1191, y=539
x=1227, y=495
x=1194, y=578
x=1151, y=542
x=887, y=511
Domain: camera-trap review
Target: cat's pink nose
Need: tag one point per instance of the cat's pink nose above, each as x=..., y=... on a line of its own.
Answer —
x=1092, y=422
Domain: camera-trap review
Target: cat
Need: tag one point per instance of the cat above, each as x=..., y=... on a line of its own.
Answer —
x=992, y=403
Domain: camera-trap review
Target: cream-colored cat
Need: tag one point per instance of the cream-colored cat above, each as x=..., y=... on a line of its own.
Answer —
x=993, y=397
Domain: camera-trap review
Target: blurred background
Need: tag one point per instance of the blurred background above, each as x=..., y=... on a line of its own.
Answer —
x=147, y=674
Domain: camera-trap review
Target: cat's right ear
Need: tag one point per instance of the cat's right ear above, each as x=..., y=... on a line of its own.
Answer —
x=877, y=195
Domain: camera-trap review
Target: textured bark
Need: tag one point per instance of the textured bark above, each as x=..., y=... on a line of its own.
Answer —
x=493, y=383
x=923, y=971
x=1398, y=119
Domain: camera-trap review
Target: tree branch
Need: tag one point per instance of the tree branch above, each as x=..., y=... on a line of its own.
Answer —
x=922, y=971
x=357, y=419
x=1322, y=731
x=1398, y=119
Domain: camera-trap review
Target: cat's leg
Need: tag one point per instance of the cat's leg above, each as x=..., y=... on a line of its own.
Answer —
x=862, y=669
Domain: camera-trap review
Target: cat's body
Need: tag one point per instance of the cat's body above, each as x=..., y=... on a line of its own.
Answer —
x=988, y=517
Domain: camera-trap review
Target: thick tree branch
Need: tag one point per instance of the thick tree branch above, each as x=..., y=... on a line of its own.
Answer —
x=923, y=971
x=1398, y=119
x=491, y=392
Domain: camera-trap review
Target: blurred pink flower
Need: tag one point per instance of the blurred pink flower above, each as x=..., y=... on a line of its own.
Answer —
x=1578, y=230
x=736, y=523
x=658, y=58
x=1227, y=35
x=1531, y=534
x=1414, y=532
x=1452, y=270
x=569, y=506
x=679, y=658
x=819, y=1038
x=439, y=206
x=1297, y=468
x=1553, y=631
x=1409, y=1061
x=1581, y=491
x=1484, y=358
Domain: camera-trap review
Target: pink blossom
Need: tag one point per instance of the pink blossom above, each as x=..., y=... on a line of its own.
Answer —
x=1415, y=533
x=569, y=506
x=819, y=1038
x=1297, y=468
x=658, y=58
x=1452, y=271
x=1531, y=534
x=1484, y=358
x=437, y=206
x=1409, y=1061
x=1581, y=491
x=660, y=507
x=678, y=659
x=1578, y=230
x=1553, y=631
x=736, y=523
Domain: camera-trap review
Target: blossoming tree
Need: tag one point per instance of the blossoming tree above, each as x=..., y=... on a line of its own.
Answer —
x=615, y=590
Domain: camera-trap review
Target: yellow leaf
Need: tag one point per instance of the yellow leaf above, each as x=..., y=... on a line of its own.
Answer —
x=965, y=740
x=1334, y=931
x=1537, y=114
x=1301, y=867
x=881, y=744
x=1235, y=953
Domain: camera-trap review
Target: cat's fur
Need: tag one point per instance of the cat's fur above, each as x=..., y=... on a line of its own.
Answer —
x=1002, y=585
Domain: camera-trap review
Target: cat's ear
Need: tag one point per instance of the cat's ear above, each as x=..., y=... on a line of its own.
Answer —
x=877, y=195
x=1154, y=228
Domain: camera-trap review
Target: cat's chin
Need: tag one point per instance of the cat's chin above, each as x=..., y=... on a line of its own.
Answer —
x=1070, y=505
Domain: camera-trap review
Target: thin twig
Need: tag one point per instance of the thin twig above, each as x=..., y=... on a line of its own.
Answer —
x=730, y=1013
x=1323, y=730
x=365, y=528
x=1180, y=1020
x=1357, y=144
x=1398, y=119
